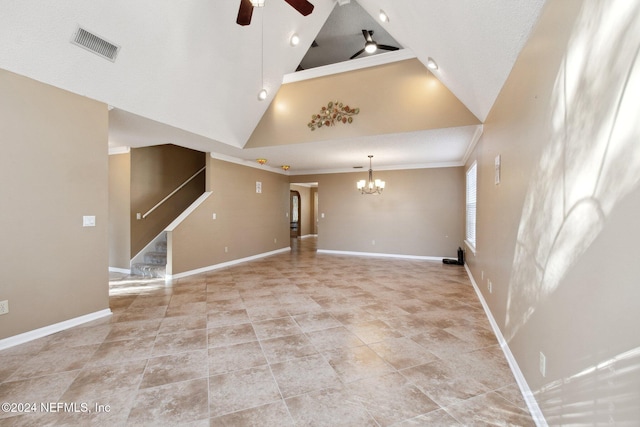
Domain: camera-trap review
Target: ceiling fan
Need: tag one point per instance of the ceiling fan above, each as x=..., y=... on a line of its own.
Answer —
x=246, y=9
x=370, y=46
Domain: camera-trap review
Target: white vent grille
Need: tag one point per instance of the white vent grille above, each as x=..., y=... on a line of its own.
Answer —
x=95, y=44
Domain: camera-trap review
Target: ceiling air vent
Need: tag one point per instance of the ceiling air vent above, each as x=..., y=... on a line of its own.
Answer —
x=95, y=44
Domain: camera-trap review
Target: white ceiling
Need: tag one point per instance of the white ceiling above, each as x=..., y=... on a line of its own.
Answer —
x=187, y=74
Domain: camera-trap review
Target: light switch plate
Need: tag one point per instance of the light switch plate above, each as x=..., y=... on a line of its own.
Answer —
x=89, y=221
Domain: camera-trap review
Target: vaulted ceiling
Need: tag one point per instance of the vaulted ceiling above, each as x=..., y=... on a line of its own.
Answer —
x=187, y=74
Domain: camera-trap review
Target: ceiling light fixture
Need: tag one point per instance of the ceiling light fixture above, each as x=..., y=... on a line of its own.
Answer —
x=370, y=47
x=383, y=16
x=294, y=40
x=431, y=64
x=257, y=3
x=285, y=167
x=370, y=186
x=261, y=161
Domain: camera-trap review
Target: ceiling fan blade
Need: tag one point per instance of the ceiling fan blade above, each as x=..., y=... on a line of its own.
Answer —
x=387, y=47
x=245, y=12
x=368, y=35
x=302, y=6
x=357, y=54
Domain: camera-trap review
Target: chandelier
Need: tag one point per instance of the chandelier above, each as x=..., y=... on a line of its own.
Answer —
x=370, y=186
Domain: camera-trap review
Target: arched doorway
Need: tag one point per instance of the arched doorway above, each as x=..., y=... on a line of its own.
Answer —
x=295, y=212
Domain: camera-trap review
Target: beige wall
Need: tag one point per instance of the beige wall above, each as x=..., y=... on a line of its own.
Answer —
x=405, y=97
x=156, y=172
x=120, y=211
x=557, y=236
x=53, y=171
x=247, y=223
x=420, y=213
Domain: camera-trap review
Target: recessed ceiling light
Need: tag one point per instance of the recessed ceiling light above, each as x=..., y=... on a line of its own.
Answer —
x=294, y=40
x=262, y=95
x=431, y=64
x=383, y=16
x=257, y=3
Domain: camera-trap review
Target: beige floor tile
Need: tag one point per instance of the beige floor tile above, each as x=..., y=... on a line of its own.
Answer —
x=490, y=409
x=179, y=342
x=229, y=335
x=303, y=375
x=175, y=368
x=316, y=321
x=443, y=383
x=235, y=357
x=356, y=363
x=95, y=383
x=373, y=331
x=275, y=328
x=402, y=352
x=48, y=388
x=333, y=339
x=121, y=351
x=329, y=407
x=240, y=390
x=391, y=398
x=171, y=404
x=287, y=348
x=270, y=415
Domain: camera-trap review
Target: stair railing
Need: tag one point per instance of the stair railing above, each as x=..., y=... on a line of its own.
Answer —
x=172, y=193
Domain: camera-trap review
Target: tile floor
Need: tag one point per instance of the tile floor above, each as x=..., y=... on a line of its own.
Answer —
x=293, y=339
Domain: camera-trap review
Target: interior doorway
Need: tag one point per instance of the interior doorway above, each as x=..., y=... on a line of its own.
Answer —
x=295, y=214
x=303, y=211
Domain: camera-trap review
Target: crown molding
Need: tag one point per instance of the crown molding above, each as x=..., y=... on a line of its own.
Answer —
x=354, y=64
x=248, y=163
x=472, y=145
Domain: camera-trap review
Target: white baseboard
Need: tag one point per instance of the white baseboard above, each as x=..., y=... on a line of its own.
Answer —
x=532, y=404
x=52, y=329
x=119, y=270
x=375, y=254
x=225, y=264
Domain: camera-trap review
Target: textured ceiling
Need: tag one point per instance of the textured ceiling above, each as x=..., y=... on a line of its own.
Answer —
x=187, y=74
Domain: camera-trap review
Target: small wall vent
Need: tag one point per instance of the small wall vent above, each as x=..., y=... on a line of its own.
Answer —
x=95, y=44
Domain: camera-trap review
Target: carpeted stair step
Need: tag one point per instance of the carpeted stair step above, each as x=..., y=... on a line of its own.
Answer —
x=149, y=270
x=158, y=258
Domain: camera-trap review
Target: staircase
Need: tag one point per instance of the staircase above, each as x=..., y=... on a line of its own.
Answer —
x=154, y=260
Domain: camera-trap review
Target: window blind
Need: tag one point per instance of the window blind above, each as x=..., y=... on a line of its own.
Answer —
x=470, y=234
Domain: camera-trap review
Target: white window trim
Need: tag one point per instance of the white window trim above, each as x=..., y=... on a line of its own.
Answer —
x=471, y=244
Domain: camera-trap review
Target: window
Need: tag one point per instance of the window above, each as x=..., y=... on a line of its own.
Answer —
x=470, y=236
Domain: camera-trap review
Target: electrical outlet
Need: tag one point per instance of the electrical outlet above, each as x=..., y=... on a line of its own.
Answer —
x=543, y=364
x=226, y=249
x=275, y=240
x=373, y=242
x=4, y=307
x=490, y=286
